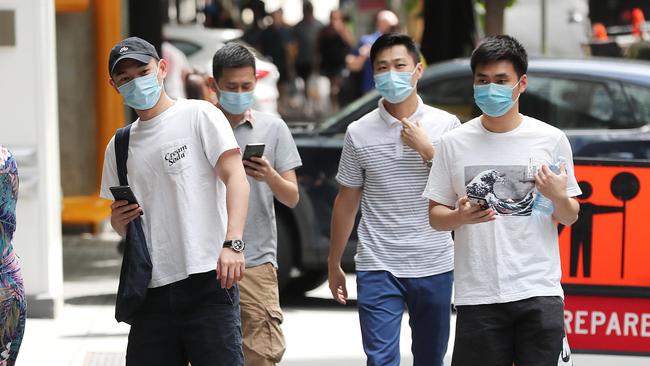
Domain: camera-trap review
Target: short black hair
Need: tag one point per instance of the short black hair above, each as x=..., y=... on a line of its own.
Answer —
x=232, y=56
x=498, y=48
x=389, y=40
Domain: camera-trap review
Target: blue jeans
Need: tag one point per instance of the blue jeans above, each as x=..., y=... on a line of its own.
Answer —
x=193, y=320
x=381, y=300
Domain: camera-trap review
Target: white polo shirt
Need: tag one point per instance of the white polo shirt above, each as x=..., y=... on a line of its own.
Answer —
x=394, y=231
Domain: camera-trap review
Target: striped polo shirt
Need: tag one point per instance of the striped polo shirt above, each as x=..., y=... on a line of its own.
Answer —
x=394, y=231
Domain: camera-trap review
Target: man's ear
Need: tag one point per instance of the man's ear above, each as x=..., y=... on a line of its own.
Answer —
x=419, y=70
x=162, y=67
x=112, y=83
x=213, y=84
x=523, y=84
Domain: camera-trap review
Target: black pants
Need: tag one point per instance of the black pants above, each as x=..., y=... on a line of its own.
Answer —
x=193, y=320
x=527, y=332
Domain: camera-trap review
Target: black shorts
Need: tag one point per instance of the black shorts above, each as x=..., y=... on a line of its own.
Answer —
x=527, y=332
x=193, y=320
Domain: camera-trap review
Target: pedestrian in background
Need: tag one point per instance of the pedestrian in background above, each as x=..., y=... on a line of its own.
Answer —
x=275, y=42
x=359, y=60
x=334, y=43
x=185, y=170
x=400, y=261
x=179, y=68
x=12, y=292
x=197, y=86
x=483, y=186
x=253, y=32
x=271, y=176
x=305, y=34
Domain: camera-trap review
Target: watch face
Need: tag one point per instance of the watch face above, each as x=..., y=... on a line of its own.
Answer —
x=238, y=245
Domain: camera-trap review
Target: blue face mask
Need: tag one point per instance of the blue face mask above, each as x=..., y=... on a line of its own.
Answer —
x=141, y=93
x=235, y=103
x=394, y=86
x=495, y=100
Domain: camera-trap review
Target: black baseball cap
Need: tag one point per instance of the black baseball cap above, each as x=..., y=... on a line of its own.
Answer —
x=134, y=48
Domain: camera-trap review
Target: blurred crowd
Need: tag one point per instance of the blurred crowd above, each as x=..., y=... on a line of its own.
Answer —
x=310, y=51
x=321, y=66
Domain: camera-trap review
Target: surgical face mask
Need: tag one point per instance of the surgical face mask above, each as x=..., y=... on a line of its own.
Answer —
x=495, y=100
x=235, y=103
x=394, y=86
x=143, y=92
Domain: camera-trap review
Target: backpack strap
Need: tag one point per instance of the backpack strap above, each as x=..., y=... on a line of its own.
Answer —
x=122, y=152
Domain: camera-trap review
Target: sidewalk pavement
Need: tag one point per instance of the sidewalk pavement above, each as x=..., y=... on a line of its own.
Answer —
x=85, y=332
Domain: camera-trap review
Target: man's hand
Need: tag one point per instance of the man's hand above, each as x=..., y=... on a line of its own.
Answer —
x=472, y=214
x=552, y=186
x=414, y=135
x=336, y=279
x=230, y=268
x=364, y=51
x=122, y=213
x=260, y=169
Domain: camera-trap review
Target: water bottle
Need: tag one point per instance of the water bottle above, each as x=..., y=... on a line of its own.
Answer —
x=541, y=204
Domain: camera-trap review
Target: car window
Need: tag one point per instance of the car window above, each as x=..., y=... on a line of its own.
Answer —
x=577, y=104
x=188, y=48
x=452, y=95
x=639, y=97
x=338, y=123
x=615, y=150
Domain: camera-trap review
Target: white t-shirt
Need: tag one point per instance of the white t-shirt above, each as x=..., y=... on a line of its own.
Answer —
x=516, y=256
x=171, y=172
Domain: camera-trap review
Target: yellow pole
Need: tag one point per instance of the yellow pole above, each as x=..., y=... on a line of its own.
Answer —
x=110, y=110
x=71, y=5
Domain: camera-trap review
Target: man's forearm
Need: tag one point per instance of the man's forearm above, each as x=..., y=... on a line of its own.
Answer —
x=355, y=62
x=237, y=190
x=120, y=229
x=343, y=216
x=566, y=211
x=443, y=218
x=426, y=152
x=284, y=190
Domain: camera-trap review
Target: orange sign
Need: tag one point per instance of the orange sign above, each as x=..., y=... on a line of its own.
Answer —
x=609, y=245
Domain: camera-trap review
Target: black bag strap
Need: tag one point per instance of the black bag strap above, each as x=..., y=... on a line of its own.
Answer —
x=122, y=153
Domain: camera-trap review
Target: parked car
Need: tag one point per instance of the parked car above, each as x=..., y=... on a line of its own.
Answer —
x=199, y=45
x=603, y=105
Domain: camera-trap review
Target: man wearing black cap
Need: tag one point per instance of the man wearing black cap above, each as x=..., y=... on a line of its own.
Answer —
x=185, y=170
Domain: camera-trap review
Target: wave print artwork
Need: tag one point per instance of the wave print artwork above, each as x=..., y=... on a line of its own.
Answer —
x=504, y=188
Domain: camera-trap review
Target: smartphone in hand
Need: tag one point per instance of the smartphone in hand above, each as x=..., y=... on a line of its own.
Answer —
x=478, y=201
x=251, y=150
x=124, y=193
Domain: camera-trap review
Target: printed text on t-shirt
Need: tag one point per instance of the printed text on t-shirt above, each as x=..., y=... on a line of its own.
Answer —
x=172, y=157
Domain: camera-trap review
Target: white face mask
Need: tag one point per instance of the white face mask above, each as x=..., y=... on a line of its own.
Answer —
x=395, y=86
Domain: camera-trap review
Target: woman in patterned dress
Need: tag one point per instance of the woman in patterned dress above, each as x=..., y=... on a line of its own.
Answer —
x=12, y=295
